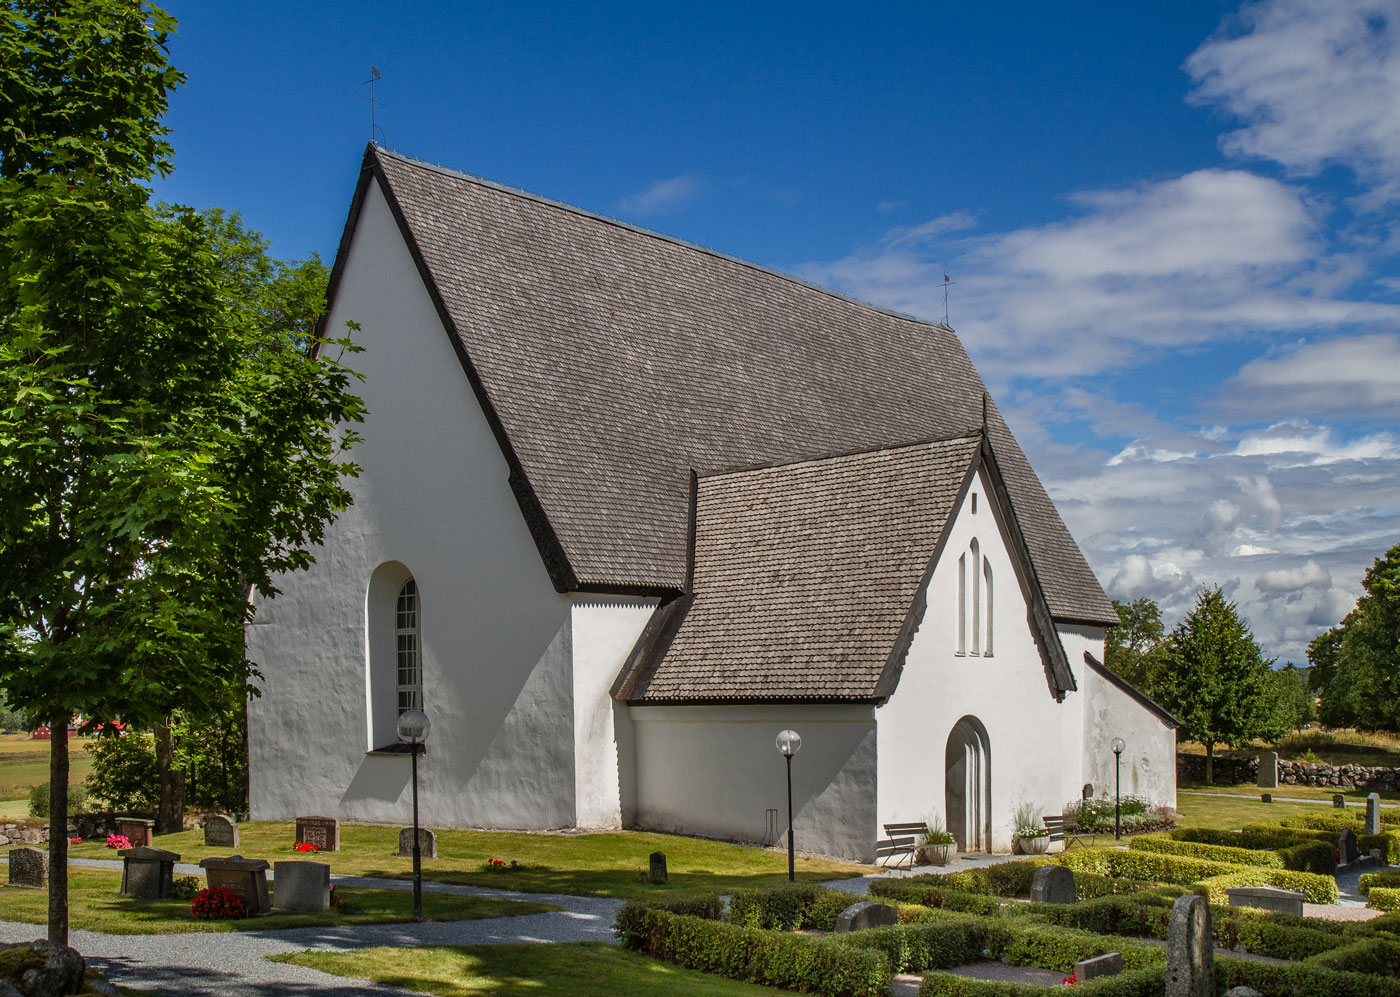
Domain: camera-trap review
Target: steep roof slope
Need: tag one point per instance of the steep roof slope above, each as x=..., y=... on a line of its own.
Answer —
x=611, y=361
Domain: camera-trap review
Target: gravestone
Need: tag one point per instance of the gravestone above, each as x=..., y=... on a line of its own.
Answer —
x=323, y=832
x=1109, y=964
x=1269, y=898
x=1053, y=884
x=657, y=872
x=1087, y=793
x=147, y=872
x=245, y=877
x=29, y=867
x=1190, y=949
x=137, y=831
x=1373, y=814
x=1242, y=991
x=220, y=832
x=1268, y=770
x=866, y=914
x=427, y=842
x=1347, y=849
x=1266, y=797
x=301, y=886
x=1339, y=801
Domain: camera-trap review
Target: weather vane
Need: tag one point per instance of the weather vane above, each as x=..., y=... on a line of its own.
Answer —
x=374, y=78
x=946, y=284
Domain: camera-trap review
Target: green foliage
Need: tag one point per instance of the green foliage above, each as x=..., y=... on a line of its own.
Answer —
x=1096, y=814
x=1377, y=956
x=1291, y=699
x=1356, y=664
x=1385, y=878
x=1215, y=853
x=1300, y=979
x=10, y=718
x=39, y=800
x=917, y=947
x=788, y=908
x=1147, y=982
x=1316, y=889
x=1384, y=898
x=1136, y=648
x=1284, y=853
x=1215, y=678
x=124, y=773
x=1005, y=879
x=213, y=751
x=936, y=897
x=1204, y=876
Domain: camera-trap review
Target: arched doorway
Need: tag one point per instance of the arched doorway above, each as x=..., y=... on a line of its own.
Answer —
x=967, y=785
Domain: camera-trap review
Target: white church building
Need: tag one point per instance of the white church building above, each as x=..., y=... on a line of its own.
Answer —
x=628, y=508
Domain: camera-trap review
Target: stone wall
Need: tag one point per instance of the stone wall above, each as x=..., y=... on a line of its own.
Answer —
x=1232, y=770
x=85, y=826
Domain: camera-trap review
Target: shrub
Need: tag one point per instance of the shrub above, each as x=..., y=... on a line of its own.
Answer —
x=788, y=908
x=1137, y=983
x=1096, y=815
x=124, y=772
x=769, y=958
x=1005, y=879
x=1383, y=878
x=1215, y=853
x=216, y=904
x=1383, y=898
x=1059, y=948
x=39, y=800
x=1203, y=876
x=913, y=948
x=185, y=887
x=1315, y=889
x=1301, y=979
x=927, y=895
x=1377, y=956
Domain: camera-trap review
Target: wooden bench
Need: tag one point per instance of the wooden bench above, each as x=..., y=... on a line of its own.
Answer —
x=1055, y=824
x=903, y=841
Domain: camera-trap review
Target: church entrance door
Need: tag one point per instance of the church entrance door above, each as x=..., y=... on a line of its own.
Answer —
x=967, y=786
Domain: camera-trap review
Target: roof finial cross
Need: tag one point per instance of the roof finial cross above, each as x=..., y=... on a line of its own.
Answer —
x=373, y=79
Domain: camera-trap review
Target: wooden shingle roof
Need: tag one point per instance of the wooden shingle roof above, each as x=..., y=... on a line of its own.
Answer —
x=611, y=361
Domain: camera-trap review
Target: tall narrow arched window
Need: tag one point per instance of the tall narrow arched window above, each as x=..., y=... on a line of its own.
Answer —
x=409, y=648
x=987, y=596
x=962, y=604
x=976, y=567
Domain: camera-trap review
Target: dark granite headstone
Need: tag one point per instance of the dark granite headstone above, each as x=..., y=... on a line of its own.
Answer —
x=866, y=914
x=301, y=886
x=1109, y=964
x=323, y=832
x=245, y=877
x=220, y=832
x=147, y=872
x=1190, y=949
x=1266, y=797
x=1266, y=898
x=29, y=867
x=1339, y=801
x=1053, y=884
x=427, y=842
x=137, y=831
x=1268, y=770
x=1347, y=848
x=1373, y=814
x=1087, y=793
x=657, y=872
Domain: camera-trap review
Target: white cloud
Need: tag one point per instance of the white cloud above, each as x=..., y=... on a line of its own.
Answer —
x=1346, y=376
x=663, y=196
x=1313, y=81
x=1139, y=577
x=1309, y=575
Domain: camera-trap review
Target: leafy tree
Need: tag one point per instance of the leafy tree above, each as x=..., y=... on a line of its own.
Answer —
x=123, y=771
x=1291, y=700
x=1356, y=664
x=161, y=458
x=1214, y=677
x=1135, y=648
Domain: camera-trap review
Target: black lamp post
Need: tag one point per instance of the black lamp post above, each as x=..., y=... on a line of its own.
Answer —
x=789, y=743
x=413, y=730
x=1117, y=788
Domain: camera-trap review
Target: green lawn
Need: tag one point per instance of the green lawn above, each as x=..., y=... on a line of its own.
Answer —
x=1321, y=794
x=24, y=763
x=602, y=865
x=1227, y=813
x=95, y=905
x=579, y=969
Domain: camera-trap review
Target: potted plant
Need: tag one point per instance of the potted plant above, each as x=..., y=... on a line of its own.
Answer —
x=1029, y=835
x=935, y=845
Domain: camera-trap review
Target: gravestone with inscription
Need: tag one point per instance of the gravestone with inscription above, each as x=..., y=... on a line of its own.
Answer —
x=427, y=842
x=1268, y=770
x=1267, y=898
x=1373, y=814
x=137, y=831
x=220, y=832
x=1053, y=884
x=29, y=867
x=866, y=914
x=323, y=832
x=1339, y=801
x=304, y=887
x=1190, y=949
x=1108, y=964
x=245, y=877
x=657, y=872
x=147, y=872
x=1347, y=849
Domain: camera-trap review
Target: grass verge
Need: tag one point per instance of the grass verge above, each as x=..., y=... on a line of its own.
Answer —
x=593, y=865
x=24, y=763
x=95, y=905
x=581, y=969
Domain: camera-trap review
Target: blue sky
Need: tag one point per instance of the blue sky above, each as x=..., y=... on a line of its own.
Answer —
x=1173, y=227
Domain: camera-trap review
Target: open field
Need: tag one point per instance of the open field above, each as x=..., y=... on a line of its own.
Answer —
x=1336, y=747
x=598, y=865
x=95, y=905
x=582, y=969
x=24, y=764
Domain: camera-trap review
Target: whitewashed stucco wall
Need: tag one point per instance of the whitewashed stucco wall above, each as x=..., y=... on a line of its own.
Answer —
x=714, y=771
x=1033, y=754
x=1149, y=754
x=497, y=639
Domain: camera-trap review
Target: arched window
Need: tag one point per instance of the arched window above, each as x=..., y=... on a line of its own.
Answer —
x=962, y=604
x=409, y=648
x=976, y=565
x=987, y=595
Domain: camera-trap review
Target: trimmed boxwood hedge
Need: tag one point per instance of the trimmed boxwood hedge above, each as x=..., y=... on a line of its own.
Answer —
x=1280, y=852
x=1383, y=898
x=787, y=908
x=912, y=891
x=771, y=958
x=1214, y=853
x=1378, y=956
x=1315, y=889
x=1137, y=983
x=1301, y=979
x=1005, y=879
x=1203, y=876
x=1386, y=877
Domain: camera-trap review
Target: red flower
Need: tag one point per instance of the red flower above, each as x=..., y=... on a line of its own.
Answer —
x=1069, y=981
x=216, y=904
x=75, y=841
x=305, y=846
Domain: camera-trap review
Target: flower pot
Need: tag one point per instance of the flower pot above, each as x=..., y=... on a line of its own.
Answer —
x=938, y=854
x=1035, y=846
